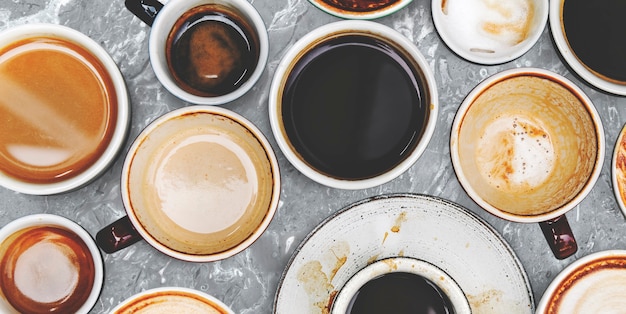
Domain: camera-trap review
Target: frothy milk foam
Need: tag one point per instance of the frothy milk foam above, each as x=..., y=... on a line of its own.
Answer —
x=174, y=302
x=488, y=25
x=515, y=153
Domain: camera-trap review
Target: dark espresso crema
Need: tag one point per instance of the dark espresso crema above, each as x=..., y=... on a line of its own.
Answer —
x=353, y=107
x=46, y=269
x=400, y=293
x=360, y=5
x=594, y=31
x=211, y=50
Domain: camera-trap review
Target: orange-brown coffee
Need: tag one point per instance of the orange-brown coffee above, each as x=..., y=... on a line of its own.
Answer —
x=46, y=269
x=58, y=108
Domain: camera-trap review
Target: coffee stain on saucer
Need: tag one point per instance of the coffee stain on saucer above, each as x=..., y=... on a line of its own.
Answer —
x=401, y=218
x=482, y=303
x=317, y=276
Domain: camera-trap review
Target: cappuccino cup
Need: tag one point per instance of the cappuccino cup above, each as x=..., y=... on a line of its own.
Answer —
x=200, y=184
x=65, y=109
x=167, y=300
x=49, y=264
x=592, y=284
x=400, y=285
x=527, y=145
x=206, y=52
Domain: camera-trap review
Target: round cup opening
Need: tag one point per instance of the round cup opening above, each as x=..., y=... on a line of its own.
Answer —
x=331, y=112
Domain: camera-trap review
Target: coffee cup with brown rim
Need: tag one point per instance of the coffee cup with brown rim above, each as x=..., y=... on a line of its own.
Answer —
x=528, y=145
x=65, y=109
x=206, y=52
x=200, y=184
x=49, y=264
x=592, y=284
x=172, y=300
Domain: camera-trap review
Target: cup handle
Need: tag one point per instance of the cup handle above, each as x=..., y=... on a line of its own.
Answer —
x=118, y=235
x=559, y=236
x=145, y=10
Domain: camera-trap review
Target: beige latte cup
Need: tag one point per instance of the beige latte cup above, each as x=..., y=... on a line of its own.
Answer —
x=200, y=184
x=527, y=145
x=592, y=284
x=166, y=300
x=67, y=263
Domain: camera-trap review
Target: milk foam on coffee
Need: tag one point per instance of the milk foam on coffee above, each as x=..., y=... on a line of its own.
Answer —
x=515, y=152
x=488, y=25
x=171, y=302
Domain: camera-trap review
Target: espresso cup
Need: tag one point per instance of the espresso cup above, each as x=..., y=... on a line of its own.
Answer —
x=65, y=109
x=586, y=38
x=401, y=285
x=527, y=145
x=200, y=184
x=207, y=52
x=353, y=104
x=167, y=300
x=490, y=32
x=49, y=264
x=592, y=284
x=361, y=9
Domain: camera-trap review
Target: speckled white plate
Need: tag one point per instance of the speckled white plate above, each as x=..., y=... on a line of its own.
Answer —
x=423, y=227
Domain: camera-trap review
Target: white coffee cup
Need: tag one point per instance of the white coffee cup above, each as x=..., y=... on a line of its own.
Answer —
x=172, y=300
x=67, y=259
x=66, y=151
x=435, y=276
x=244, y=18
x=528, y=145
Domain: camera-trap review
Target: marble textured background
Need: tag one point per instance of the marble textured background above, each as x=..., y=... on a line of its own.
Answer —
x=248, y=281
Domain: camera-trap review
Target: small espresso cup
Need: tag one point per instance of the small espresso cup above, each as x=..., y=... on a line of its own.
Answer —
x=200, y=184
x=353, y=104
x=64, y=107
x=401, y=285
x=49, y=264
x=592, y=284
x=206, y=52
x=528, y=145
x=167, y=300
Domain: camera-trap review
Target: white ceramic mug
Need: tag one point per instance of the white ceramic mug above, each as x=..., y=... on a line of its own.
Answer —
x=64, y=255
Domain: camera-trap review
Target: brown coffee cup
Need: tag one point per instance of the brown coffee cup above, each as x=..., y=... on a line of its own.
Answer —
x=167, y=300
x=593, y=284
x=200, y=183
x=528, y=145
x=49, y=264
x=65, y=109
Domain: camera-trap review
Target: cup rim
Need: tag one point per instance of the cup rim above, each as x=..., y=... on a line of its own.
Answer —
x=99, y=166
x=346, y=14
x=56, y=220
x=398, y=264
x=478, y=58
x=295, y=52
x=166, y=289
x=163, y=23
x=258, y=230
x=556, y=23
x=567, y=271
x=504, y=75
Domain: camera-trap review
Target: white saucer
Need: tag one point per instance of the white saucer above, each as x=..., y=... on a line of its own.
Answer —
x=423, y=227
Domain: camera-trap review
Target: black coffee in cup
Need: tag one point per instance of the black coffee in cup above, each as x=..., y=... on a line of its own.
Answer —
x=354, y=106
x=211, y=50
x=594, y=31
x=400, y=292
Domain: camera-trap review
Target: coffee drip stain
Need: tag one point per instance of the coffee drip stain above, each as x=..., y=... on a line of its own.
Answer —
x=401, y=218
x=481, y=303
x=317, y=282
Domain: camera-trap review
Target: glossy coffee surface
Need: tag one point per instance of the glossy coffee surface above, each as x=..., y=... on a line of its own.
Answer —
x=46, y=270
x=200, y=183
x=58, y=106
x=353, y=107
x=211, y=50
